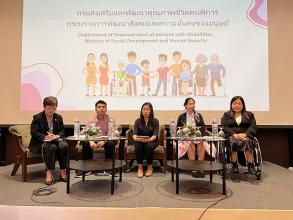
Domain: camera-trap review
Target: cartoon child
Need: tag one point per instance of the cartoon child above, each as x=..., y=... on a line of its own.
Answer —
x=90, y=71
x=201, y=72
x=121, y=80
x=217, y=72
x=104, y=70
x=185, y=76
x=145, y=64
x=163, y=74
x=132, y=70
x=175, y=70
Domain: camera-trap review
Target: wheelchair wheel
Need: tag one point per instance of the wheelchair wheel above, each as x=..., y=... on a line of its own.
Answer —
x=257, y=158
x=258, y=174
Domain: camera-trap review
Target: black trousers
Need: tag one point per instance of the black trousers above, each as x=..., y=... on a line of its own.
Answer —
x=145, y=150
x=52, y=151
x=87, y=152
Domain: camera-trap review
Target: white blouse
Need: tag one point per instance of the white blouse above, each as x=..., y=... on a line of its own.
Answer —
x=190, y=119
x=238, y=119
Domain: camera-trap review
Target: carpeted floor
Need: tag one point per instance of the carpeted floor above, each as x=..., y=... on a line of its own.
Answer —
x=274, y=191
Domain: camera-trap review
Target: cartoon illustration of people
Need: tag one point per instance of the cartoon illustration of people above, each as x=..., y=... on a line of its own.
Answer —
x=146, y=74
x=175, y=70
x=163, y=74
x=121, y=80
x=185, y=76
x=132, y=70
x=90, y=71
x=217, y=72
x=104, y=71
x=201, y=71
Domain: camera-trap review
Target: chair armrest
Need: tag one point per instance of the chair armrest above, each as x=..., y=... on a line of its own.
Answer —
x=164, y=140
x=129, y=138
x=17, y=139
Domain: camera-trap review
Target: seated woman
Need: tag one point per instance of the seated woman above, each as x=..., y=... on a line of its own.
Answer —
x=240, y=127
x=145, y=136
x=47, y=131
x=193, y=118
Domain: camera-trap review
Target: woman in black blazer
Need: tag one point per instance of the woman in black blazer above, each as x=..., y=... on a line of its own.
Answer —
x=240, y=127
x=145, y=136
x=47, y=131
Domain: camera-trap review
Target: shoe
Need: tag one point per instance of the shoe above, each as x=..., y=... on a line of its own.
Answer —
x=198, y=174
x=109, y=173
x=50, y=182
x=149, y=172
x=140, y=172
x=251, y=168
x=62, y=179
x=79, y=174
x=235, y=168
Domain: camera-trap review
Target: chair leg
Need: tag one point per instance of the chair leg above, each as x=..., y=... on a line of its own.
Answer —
x=16, y=165
x=24, y=169
x=165, y=165
x=125, y=167
x=131, y=163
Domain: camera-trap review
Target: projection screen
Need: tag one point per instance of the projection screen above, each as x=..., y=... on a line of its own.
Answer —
x=128, y=53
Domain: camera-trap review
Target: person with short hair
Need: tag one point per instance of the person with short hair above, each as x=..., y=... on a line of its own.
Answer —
x=175, y=70
x=47, y=131
x=101, y=119
x=145, y=78
x=162, y=71
x=201, y=73
x=185, y=76
x=217, y=73
x=240, y=127
x=132, y=69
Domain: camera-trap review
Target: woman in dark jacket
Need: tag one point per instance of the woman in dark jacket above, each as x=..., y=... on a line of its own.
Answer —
x=47, y=131
x=145, y=136
x=240, y=127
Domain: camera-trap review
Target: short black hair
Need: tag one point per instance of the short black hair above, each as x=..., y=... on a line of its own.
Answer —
x=50, y=101
x=100, y=102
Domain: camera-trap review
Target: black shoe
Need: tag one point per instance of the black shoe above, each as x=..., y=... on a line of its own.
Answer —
x=251, y=168
x=198, y=174
x=78, y=174
x=235, y=168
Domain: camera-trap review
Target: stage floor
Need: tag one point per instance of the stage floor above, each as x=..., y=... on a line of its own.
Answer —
x=272, y=194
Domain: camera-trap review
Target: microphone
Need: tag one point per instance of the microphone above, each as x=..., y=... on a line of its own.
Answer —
x=196, y=116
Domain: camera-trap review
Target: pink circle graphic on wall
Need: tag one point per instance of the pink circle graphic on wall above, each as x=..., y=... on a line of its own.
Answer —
x=37, y=82
x=257, y=13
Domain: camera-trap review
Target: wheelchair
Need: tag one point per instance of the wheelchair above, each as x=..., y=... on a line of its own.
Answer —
x=257, y=156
